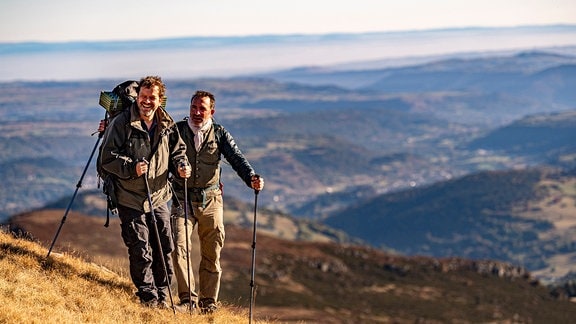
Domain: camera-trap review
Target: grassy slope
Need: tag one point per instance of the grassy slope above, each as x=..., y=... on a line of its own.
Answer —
x=330, y=283
x=66, y=289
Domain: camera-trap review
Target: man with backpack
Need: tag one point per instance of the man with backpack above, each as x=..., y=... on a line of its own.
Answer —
x=206, y=142
x=140, y=147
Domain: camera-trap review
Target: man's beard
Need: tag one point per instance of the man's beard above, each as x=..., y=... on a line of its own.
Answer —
x=147, y=112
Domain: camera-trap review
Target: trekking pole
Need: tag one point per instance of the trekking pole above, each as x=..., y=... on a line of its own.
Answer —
x=187, y=239
x=78, y=185
x=253, y=269
x=155, y=228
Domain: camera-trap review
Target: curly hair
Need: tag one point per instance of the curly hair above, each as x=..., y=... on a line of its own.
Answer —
x=150, y=82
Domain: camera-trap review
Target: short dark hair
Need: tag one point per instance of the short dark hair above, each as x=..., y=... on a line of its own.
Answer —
x=151, y=81
x=202, y=94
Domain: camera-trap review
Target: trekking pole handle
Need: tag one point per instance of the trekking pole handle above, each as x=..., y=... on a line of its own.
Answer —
x=257, y=176
x=102, y=126
x=183, y=165
x=142, y=159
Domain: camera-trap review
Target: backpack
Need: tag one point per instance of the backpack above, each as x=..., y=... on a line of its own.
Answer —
x=119, y=100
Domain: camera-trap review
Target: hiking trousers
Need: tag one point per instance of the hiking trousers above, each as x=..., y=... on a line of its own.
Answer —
x=146, y=268
x=209, y=217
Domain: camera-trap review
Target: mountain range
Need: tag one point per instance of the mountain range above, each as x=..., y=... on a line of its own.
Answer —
x=464, y=156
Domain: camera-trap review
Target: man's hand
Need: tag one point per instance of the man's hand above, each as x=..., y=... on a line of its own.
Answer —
x=257, y=182
x=141, y=167
x=184, y=170
x=102, y=126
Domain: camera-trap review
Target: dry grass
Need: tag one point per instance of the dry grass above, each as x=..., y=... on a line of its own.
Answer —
x=297, y=282
x=66, y=289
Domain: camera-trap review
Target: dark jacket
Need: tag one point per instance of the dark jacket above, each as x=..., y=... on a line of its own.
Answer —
x=206, y=163
x=125, y=142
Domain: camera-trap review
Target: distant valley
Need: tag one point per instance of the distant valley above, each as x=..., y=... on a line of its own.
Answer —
x=458, y=157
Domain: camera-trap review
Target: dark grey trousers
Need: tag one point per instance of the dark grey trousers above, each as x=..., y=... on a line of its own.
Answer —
x=146, y=268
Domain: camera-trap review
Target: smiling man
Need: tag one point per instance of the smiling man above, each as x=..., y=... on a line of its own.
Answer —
x=207, y=142
x=141, y=146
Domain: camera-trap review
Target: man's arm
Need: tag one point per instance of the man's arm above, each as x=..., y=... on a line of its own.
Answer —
x=235, y=157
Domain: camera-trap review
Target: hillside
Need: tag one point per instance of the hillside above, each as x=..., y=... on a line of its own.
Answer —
x=313, y=282
x=67, y=289
x=545, y=137
x=525, y=217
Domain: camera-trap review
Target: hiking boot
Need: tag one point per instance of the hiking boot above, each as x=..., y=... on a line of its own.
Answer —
x=177, y=308
x=186, y=306
x=152, y=303
x=163, y=305
x=208, y=306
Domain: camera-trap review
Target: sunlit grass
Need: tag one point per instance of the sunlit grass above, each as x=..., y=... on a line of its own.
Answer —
x=66, y=289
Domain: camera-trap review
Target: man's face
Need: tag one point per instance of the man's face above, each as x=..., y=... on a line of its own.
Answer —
x=148, y=101
x=200, y=111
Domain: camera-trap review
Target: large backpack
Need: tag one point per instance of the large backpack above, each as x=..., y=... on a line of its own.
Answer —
x=119, y=100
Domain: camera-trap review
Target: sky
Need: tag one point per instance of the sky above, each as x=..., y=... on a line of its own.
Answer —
x=80, y=20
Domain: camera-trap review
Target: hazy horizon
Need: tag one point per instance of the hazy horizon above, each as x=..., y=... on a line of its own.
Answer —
x=227, y=57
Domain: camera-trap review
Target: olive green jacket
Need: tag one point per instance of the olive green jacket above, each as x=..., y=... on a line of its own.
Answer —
x=125, y=142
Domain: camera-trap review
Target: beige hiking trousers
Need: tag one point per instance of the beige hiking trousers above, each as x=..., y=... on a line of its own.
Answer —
x=210, y=222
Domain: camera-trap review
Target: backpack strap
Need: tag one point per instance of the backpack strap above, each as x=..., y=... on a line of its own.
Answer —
x=218, y=129
x=108, y=187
